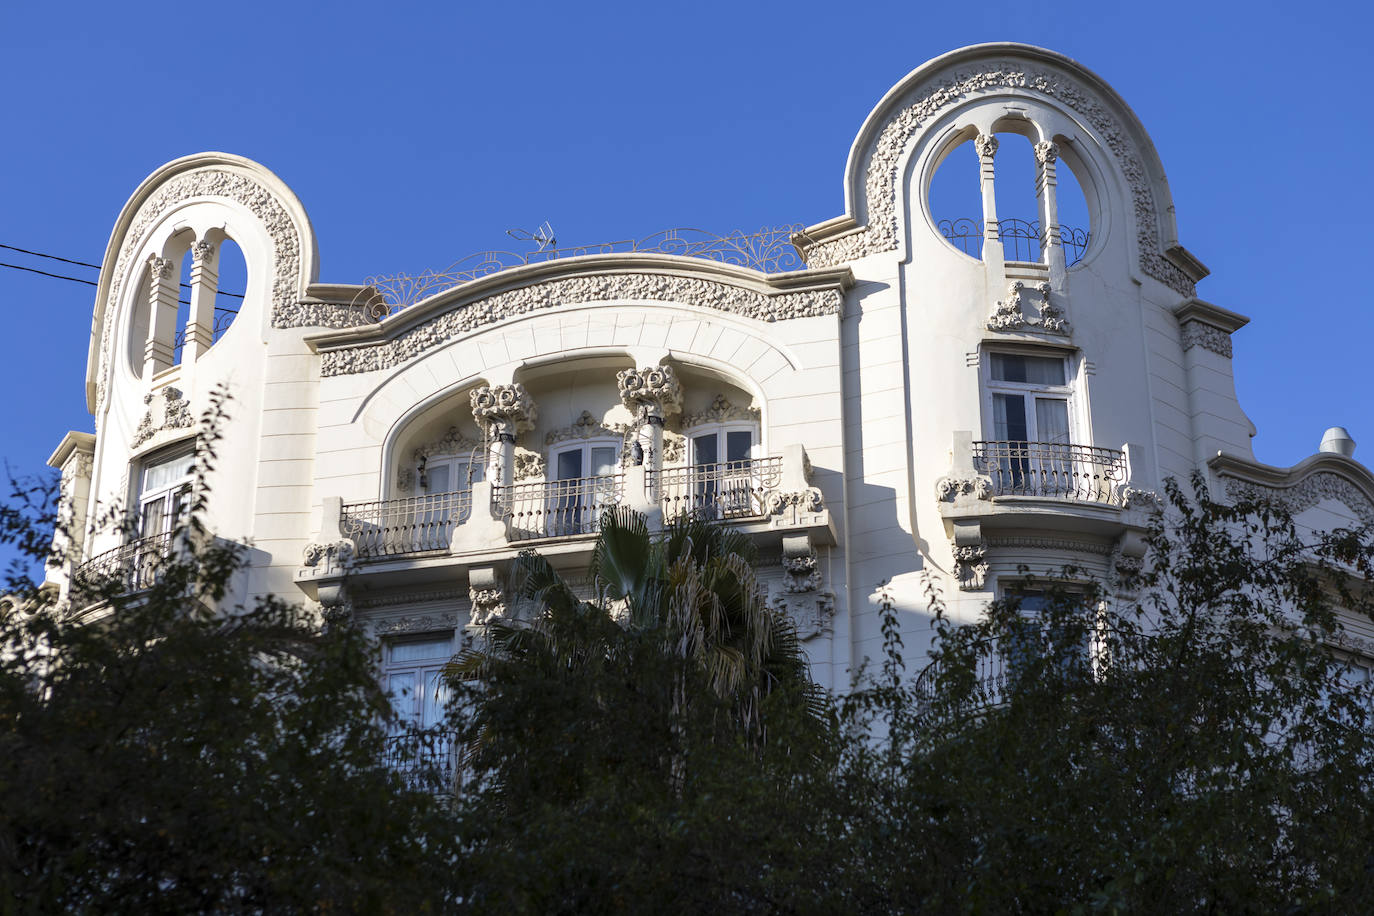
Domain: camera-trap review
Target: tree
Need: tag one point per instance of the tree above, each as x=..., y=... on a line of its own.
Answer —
x=175, y=755
x=1200, y=748
x=659, y=747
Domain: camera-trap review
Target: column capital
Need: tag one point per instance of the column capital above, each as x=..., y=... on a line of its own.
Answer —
x=202, y=251
x=159, y=268
x=986, y=145
x=509, y=408
x=651, y=390
x=1046, y=151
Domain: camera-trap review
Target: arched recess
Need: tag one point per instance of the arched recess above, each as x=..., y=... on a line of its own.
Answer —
x=880, y=155
x=262, y=204
x=407, y=394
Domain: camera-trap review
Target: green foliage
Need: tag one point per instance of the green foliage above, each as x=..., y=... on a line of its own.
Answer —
x=1197, y=749
x=165, y=754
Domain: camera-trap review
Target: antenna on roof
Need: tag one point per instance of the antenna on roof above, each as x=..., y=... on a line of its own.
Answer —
x=543, y=237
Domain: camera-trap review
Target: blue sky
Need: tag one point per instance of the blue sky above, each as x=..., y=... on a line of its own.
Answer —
x=416, y=134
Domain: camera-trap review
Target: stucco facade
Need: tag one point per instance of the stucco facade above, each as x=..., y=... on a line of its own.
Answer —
x=898, y=410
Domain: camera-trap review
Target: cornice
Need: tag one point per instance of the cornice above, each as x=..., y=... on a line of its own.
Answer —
x=1320, y=476
x=1214, y=315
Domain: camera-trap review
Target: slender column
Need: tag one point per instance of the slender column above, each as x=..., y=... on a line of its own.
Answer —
x=986, y=144
x=1047, y=155
x=158, y=351
x=503, y=411
x=651, y=394
x=200, y=330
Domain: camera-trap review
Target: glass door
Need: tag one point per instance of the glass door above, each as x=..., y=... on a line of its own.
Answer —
x=723, y=484
x=584, y=487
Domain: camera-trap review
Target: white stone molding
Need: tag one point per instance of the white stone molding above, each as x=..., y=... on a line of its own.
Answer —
x=883, y=178
x=1306, y=493
x=159, y=268
x=721, y=411
x=331, y=557
x=410, y=598
x=586, y=426
x=460, y=320
x=167, y=409
x=780, y=502
x=1201, y=334
x=1139, y=498
x=452, y=442
x=950, y=488
x=413, y=623
x=800, y=565
x=1009, y=316
x=487, y=592
x=1019, y=542
x=674, y=447
x=812, y=613
x=971, y=565
x=1046, y=151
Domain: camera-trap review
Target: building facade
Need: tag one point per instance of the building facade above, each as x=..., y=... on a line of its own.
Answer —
x=881, y=400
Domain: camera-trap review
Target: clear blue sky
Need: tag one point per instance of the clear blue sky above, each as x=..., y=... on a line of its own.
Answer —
x=416, y=134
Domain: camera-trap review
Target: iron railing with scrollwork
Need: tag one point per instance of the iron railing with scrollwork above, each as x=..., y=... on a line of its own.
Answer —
x=1059, y=471
x=135, y=565
x=405, y=527
x=1022, y=240
x=725, y=490
x=426, y=759
x=769, y=250
x=557, y=508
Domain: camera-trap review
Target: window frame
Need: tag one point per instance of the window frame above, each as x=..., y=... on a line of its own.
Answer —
x=1069, y=392
x=175, y=495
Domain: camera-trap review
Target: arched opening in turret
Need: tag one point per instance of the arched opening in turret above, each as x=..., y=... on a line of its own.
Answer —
x=955, y=199
x=231, y=286
x=1018, y=208
x=183, y=293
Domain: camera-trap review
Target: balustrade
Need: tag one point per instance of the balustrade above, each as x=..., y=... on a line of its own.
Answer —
x=725, y=490
x=404, y=527
x=1055, y=470
x=425, y=759
x=557, y=508
x=134, y=565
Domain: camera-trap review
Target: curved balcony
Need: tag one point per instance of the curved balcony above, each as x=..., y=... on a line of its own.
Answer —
x=426, y=759
x=411, y=526
x=1052, y=470
x=135, y=565
x=723, y=491
x=557, y=508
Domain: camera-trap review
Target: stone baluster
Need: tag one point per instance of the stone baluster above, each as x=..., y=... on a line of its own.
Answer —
x=159, y=349
x=200, y=329
x=651, y=394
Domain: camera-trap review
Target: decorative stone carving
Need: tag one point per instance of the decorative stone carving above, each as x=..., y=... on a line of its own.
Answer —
x=813, y=614
x=461, y=319
x=1046, y=151
x=674, y=448
x=488, y=604
x=159, y=268
x=202, y=250
x=1051, y=316
x=971, y=565
x=802, y=574
x=508, y=407
x=528, y=465
x=167, y=409
x=414, y=623
x=336, y=556
x=986, y=145
x=405, y=480
x=452, y=442
x=1137, y=498
x=721, y=411
x=1199, y=334
x=78, y=466
x=808, y=500
x=1306, y=493
x=585, y=426
x=1018, y=542
x=655, y=388
x=884, y=174
x=1008, y=315
x=948, y=489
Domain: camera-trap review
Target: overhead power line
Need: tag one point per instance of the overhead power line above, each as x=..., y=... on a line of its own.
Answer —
x=53, y=257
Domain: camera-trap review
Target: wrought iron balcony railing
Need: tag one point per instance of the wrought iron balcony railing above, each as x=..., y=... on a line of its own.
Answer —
x=1022, y=240
x=135, y=565
x=426, y=760
x=1059, y=471
x=726, y=490
x=557, y=508
x=405, y=527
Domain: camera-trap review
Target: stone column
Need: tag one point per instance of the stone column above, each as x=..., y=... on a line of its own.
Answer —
x=651, y=394
x=158, y=351
x=986, y=145
x=1046, y=181
x=503, y=412
x=200, y=330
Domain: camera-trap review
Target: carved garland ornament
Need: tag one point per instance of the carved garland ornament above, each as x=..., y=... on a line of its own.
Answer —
x=884, y=167
x=1200, y=334
x=415, y=623
x=586, y=426
x=721, y=411
x=1306, y=493
x=167, y=409
x=572, y=291
x=948, y=489
x=654, y=389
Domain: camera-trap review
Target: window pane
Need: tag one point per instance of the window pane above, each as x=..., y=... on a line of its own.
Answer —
x=704, y=449
x=1052, y=420
x=738, y=444
x=401, y=684
x=570, y=464
x=1009, y=417
x=438, y=476
x=1033, y=370
x=603, y=459
x=154, y=515
x=427, y=648
x=159, y=475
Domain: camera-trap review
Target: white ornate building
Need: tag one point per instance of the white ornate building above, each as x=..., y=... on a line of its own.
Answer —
x=906, y=400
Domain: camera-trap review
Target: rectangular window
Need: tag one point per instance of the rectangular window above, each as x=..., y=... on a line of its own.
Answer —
x=413, y=676
x=1030, y=428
